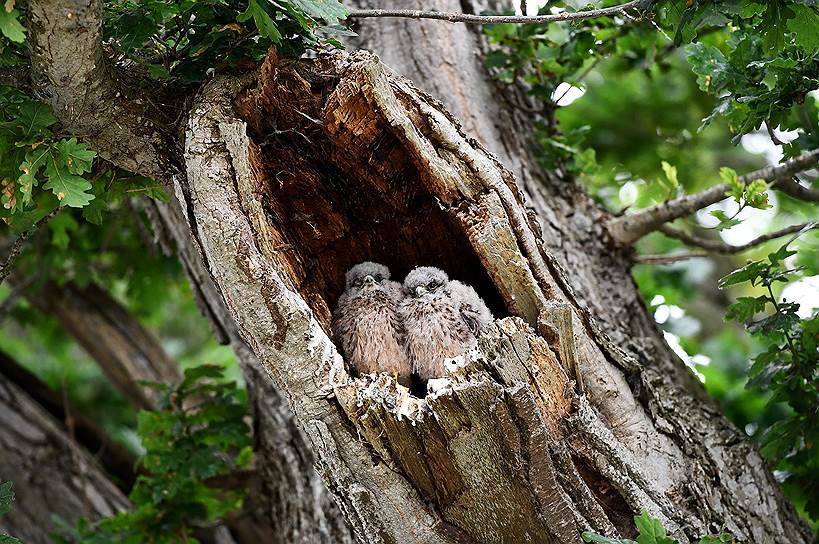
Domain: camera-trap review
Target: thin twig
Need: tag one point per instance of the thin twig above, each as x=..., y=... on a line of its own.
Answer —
x=630, y=228
x=718, y=246
x=17, y=246
x=468, y=18
x=774, y=138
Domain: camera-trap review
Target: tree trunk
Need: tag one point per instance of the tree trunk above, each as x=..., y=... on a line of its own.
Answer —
x=536, y=436
x=51, y=473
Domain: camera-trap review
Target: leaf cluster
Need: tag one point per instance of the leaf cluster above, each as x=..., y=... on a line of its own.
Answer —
x=200, y=432
x=788, y=367
x=651, y=531
x=184, y=40
x=763, y=70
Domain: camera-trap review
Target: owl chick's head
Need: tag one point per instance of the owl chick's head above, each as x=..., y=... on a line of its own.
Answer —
x=425, y=280
x=366, y=274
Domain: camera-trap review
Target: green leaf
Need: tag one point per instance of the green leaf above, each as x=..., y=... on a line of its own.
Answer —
x=265, y=24
x=671, y=176
x=60, y=227
x=745, y=308
x=725, y=222
x=756, y=195
x=77, y=157
x=749, y=272
x=34, y=162
x=34, y=118
x=10, y=26
x=329, y=10
x=804, y=25
x=651, y=530
x=71, y=190
x=736, y=187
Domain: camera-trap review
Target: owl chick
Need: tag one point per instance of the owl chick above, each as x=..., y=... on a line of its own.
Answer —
x=442, y=319
x=366, y=322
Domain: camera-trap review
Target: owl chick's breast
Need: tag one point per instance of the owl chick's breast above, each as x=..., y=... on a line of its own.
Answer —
x=370, y=332
x=434, y=332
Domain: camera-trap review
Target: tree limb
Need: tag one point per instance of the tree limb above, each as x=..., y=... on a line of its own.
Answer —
x=72, y=74
x=629, y=228
x=718, y=246
x=796, y=190
x=468, y=18
x=125, y=351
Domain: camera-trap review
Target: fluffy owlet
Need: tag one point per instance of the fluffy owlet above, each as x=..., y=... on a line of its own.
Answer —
x=442, y=319
x=367, y=325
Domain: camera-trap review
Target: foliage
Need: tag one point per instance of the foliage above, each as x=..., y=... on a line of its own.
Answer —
x=6, y=498
x=199, y=433
x=651, y=531
x=765, y=67
x=183, y=40
x=787, y=368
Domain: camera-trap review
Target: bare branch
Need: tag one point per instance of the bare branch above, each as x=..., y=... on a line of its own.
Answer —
x=72, y=74
x=17, y=245
x=668, y=259
x=718, y=246
x=468, y=18
x=16, y=76
x=796, y=190
x=628, y=229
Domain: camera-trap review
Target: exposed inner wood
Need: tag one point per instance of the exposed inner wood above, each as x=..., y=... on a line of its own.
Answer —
x=327, y=209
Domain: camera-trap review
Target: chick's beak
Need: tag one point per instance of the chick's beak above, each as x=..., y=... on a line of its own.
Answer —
x=420, y=290
x=369, y=280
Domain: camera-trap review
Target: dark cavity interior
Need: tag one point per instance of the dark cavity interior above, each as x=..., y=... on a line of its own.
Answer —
x=337, y=205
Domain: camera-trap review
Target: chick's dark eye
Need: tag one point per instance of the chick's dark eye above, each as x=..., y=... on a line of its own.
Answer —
x=379, y=278
x=433, y=285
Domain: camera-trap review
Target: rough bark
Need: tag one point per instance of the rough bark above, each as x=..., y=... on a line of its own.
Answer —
x=288, y=502
x=118, y=462
x=52, y=474
x=345, y=161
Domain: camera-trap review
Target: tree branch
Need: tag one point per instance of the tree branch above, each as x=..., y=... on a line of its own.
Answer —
x=110, y=111
x=668, y=259
x=628, y=229
x=796, y=190
x=125, y=351
x=718, y=246
x=468, y=18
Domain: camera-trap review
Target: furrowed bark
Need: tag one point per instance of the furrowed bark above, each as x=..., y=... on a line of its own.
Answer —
x=303, y=206
x=52, y=475
x=574, y=231
x=288, y=503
